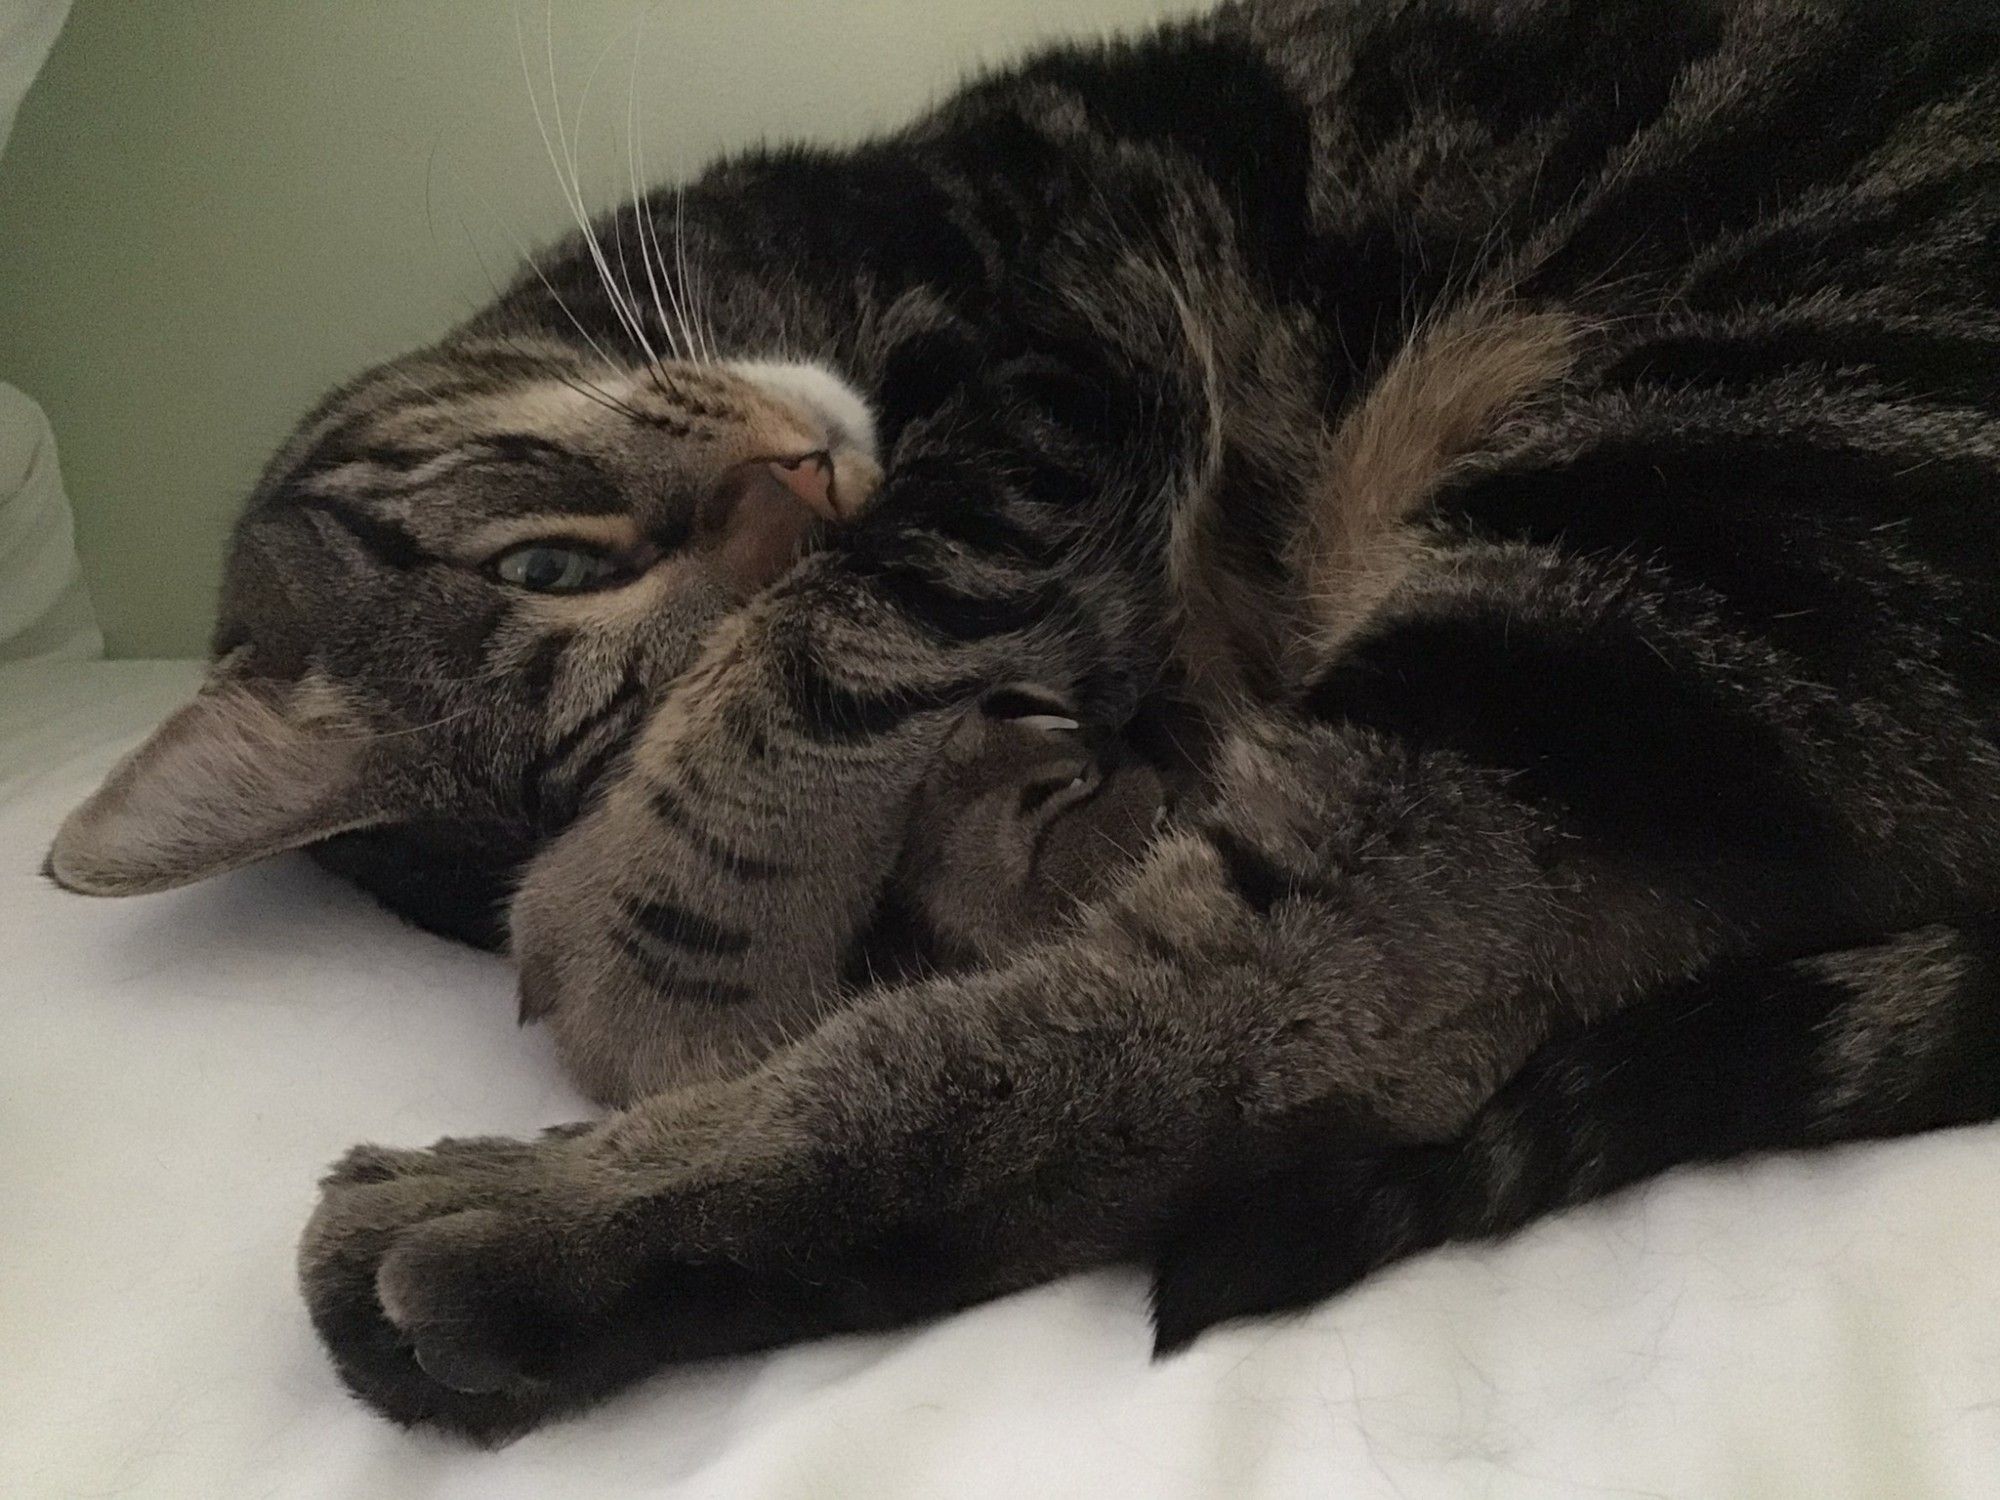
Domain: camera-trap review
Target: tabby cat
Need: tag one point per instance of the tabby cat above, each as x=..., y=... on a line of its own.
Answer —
x=1547, y=451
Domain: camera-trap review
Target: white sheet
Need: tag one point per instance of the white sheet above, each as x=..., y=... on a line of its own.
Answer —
x=174, y=1071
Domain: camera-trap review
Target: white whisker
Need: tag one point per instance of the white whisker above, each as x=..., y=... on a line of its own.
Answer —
x=680, y=260
x=658, y=255
x=573, y=184
x=572, y=195
x=368, y=736
x=609, y=363
x=633, y=314
x=639, y=210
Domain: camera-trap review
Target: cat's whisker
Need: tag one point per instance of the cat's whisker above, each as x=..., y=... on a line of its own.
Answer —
x=370, y=736
x=575, y=382
x=624, y=265
x=572, y=194
x=596, y=392
x=649, y=257
x=680, y=262
x=591, y=391
x=567, y=174
x=658, y=255
x=640, y=211
x=628, y=303
x=654, y=363
x=571, y=380
x=681, y=267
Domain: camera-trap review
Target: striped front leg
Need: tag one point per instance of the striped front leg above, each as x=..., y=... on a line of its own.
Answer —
x=699, y=914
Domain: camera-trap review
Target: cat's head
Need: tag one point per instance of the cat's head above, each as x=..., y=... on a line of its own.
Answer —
x=455, y=590
x=1026, y=815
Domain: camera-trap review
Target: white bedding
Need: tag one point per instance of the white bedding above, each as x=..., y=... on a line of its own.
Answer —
x=175, y=1070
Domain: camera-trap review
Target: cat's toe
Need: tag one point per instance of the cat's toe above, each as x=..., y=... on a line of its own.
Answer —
x=471, y=1294
x=365, y=1164
x=430, y=1276
x=338, y=1258
x=368, y=1164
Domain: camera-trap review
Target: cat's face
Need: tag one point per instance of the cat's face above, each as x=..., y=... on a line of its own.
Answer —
x=457, y=588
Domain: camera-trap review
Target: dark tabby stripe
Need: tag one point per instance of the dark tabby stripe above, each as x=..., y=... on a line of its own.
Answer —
x=1917, y=363
x=527, y=447
x=1256, y=879
x=624, y=698
x=671, y=808
x=1882, y=235
x=833, y=713
x=1001, y=531
x=1651, y=755
x=1751, y=1058
x=671, y=983
x=947, y=611
x=539, y=676
x=677, y=927
x=383, y=540
x=1842, y=100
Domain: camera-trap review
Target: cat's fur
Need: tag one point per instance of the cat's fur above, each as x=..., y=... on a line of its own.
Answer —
x=1619, y=789
x=1024, y=819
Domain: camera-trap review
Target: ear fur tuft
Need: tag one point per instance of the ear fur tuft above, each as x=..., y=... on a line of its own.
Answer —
x=249, y=769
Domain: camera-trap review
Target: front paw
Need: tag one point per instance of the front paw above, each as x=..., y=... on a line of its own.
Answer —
x=650, y=971
x=470, y=1285
x=590, y=972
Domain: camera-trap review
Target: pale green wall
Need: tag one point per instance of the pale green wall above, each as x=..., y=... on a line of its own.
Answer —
x=213, y=209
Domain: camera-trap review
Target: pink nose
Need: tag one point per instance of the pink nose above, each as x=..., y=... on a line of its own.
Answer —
x=810, y=477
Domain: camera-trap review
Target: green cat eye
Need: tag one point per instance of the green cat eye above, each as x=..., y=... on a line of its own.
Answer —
x=549, y=569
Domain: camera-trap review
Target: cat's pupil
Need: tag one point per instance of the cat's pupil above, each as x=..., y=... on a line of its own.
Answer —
x=552, y=569
x=546, y=568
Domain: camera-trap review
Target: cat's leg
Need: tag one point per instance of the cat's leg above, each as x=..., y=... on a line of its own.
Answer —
x=703, y=910
x=1546, y=788
x=699, y=915
x=1890, y=1039
x=1357, y=928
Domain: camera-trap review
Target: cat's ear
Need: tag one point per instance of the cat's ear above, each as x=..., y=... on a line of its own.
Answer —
x=250, y=768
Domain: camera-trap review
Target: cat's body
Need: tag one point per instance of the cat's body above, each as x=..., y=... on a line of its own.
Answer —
x=1554, y=447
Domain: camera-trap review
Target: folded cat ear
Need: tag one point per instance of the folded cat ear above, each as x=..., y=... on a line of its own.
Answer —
x=250, y=768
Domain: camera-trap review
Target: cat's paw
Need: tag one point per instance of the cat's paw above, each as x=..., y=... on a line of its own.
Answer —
x=593, y=973
x=475, y=1154
x=469, y=1286
x=633, y=956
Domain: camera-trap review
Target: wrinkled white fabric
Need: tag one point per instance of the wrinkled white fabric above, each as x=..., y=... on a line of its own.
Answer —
x=28, y=29
x=44, y=612
x=175, y=1070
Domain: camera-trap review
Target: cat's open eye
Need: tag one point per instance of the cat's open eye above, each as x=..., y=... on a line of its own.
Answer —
x=554, y=568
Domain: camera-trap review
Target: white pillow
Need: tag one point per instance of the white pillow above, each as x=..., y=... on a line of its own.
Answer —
x=27, y=30
x=44, y=611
